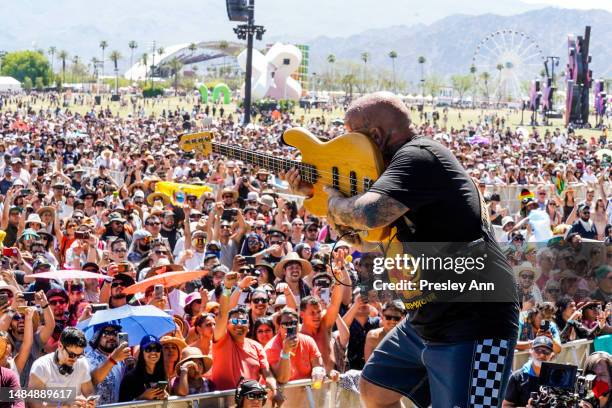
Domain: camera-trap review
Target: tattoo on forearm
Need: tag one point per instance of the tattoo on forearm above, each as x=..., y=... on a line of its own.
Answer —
x=366, y=211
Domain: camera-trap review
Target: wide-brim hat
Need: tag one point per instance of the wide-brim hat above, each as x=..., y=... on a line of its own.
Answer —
x=45, y=209
x=34, y=219
x=267, y=200
x=115, y=217
x=229, y=191
x=178, y=342
x=279, y=269
x=151, y=179
x=527, y=266
x=157, y=195
x=194, y=353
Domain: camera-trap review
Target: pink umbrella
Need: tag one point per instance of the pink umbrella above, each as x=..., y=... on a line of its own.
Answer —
x=69, y=274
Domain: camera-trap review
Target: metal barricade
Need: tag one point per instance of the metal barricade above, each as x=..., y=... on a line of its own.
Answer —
x=575, y=352
x=509, y=194
x=117, y=176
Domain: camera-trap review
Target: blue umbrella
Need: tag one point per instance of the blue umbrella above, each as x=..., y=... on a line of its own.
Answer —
x=136, y=321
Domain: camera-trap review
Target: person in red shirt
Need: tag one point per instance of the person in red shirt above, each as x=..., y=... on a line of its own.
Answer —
x=292, y=357
x=235, y=355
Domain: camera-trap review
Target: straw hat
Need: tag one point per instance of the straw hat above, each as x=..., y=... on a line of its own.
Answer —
x=279, y=269
x=150, y=179
x=194, y=353
x=228, y=190
x=157, y=195
x=45, y=209
x=527, y=266
x=179, y=343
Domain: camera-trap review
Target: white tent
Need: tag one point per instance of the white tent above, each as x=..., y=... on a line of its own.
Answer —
x=9, y=84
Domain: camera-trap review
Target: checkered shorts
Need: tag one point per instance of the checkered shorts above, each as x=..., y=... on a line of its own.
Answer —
x=487, y=370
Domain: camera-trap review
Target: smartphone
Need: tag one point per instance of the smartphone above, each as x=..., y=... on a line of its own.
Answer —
x=249, y=260
x=10, y=252
x=228, y=214
x=545, y=325
x=158, y=291
x=97, y=307
x=26, y=191
x=6, y=262
x=81, y=235
x=123, y=267
x=123, y=337
x=162, y=385
x=291, y=331
x=3, y=299
x=324, y=294
x=93, y=398
x=28, y=296
x=364, y=292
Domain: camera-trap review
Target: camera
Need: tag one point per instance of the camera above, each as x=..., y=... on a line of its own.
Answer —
x=563, y=386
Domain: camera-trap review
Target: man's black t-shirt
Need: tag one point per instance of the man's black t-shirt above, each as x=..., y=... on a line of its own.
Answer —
x=520, y=385
x=444, y=206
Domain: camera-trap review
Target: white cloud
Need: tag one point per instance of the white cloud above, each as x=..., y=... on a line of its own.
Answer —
x=582, y=4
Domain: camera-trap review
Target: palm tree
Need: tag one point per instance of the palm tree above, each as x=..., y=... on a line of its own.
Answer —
x=192, y=47
x=485, y=76
x=422, y=61
x=223, y=46
x=160, y=52
x=133, y=45
x=52, y=50
x=103, y=45
x=75, y=66
x=499, y=67
x=473, y=72
x=145, y=60
x=175, y=65
x=365, y=56
x=331, y=59
x=393, y=56
x=63, y=56
x=115, y=56
x=94, y=63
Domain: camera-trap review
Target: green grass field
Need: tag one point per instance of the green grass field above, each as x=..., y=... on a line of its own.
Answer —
x=513, y=119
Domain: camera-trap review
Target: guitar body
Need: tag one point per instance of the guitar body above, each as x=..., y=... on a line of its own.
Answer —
x=350, y=163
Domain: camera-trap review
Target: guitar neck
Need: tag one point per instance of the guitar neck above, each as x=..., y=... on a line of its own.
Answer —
x=308, y=172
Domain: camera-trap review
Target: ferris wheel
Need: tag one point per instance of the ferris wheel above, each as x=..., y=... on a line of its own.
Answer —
x=511, y=59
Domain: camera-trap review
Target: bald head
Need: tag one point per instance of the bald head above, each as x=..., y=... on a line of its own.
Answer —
x=380, y=109
x=382, y=116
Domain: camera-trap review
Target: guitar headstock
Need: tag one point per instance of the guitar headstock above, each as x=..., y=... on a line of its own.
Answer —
x=201, y=142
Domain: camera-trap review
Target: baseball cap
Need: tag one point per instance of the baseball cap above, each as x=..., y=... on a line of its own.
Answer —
x=542, y=341
x=147, y=340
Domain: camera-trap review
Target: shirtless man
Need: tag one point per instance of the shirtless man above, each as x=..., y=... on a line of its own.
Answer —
x=392, y=313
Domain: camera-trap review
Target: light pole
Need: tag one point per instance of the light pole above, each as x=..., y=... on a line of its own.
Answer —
x=246, y=31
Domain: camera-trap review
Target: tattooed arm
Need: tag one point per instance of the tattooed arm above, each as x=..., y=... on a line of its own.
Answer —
x=365, y=211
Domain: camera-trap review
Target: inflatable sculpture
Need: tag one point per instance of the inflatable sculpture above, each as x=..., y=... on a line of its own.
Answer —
x=272, y=72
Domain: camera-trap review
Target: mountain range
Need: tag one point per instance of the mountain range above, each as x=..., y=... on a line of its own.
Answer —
x=445, y=32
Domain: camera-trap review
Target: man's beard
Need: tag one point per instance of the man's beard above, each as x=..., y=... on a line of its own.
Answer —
x=106, y=349
x=119, y=296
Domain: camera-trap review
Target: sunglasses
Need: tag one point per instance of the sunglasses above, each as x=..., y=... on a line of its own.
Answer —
x=72, y=355
x=152, y=349
x=17, y=317
x=257, y=396
x=393, y=318
x=242, y=322
x=57, y=302
x=319, y=268
x=153, y=223
x=110, y=333
x=527, y=277
x=543, y=351
x=161, y=252
x=260, y=301
x=120, y=250
x=117, y=284
x=292, y=323
x=227, y=196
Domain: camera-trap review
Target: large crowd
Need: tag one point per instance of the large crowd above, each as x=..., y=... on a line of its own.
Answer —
x=279, y=297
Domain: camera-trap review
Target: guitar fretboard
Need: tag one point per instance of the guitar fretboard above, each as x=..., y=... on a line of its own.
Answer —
x=308, y=172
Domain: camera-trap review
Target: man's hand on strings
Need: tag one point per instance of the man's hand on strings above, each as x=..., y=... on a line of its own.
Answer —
x=296, y=184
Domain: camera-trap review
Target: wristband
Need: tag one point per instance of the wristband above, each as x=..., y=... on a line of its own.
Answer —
x=285, y=356
x=112, y=360
x=227, y=292
x=45, y=306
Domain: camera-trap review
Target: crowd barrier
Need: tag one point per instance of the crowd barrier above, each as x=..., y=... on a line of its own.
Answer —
x=575, y=352
x=509, y=194
x=300, y=393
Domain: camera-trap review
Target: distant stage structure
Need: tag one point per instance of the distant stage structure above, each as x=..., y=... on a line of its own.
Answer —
x=272, y=72
x=511, y=58
x=205, y=51
x=579, y=80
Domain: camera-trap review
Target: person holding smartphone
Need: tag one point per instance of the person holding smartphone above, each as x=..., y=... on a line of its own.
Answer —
x=141, y=382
